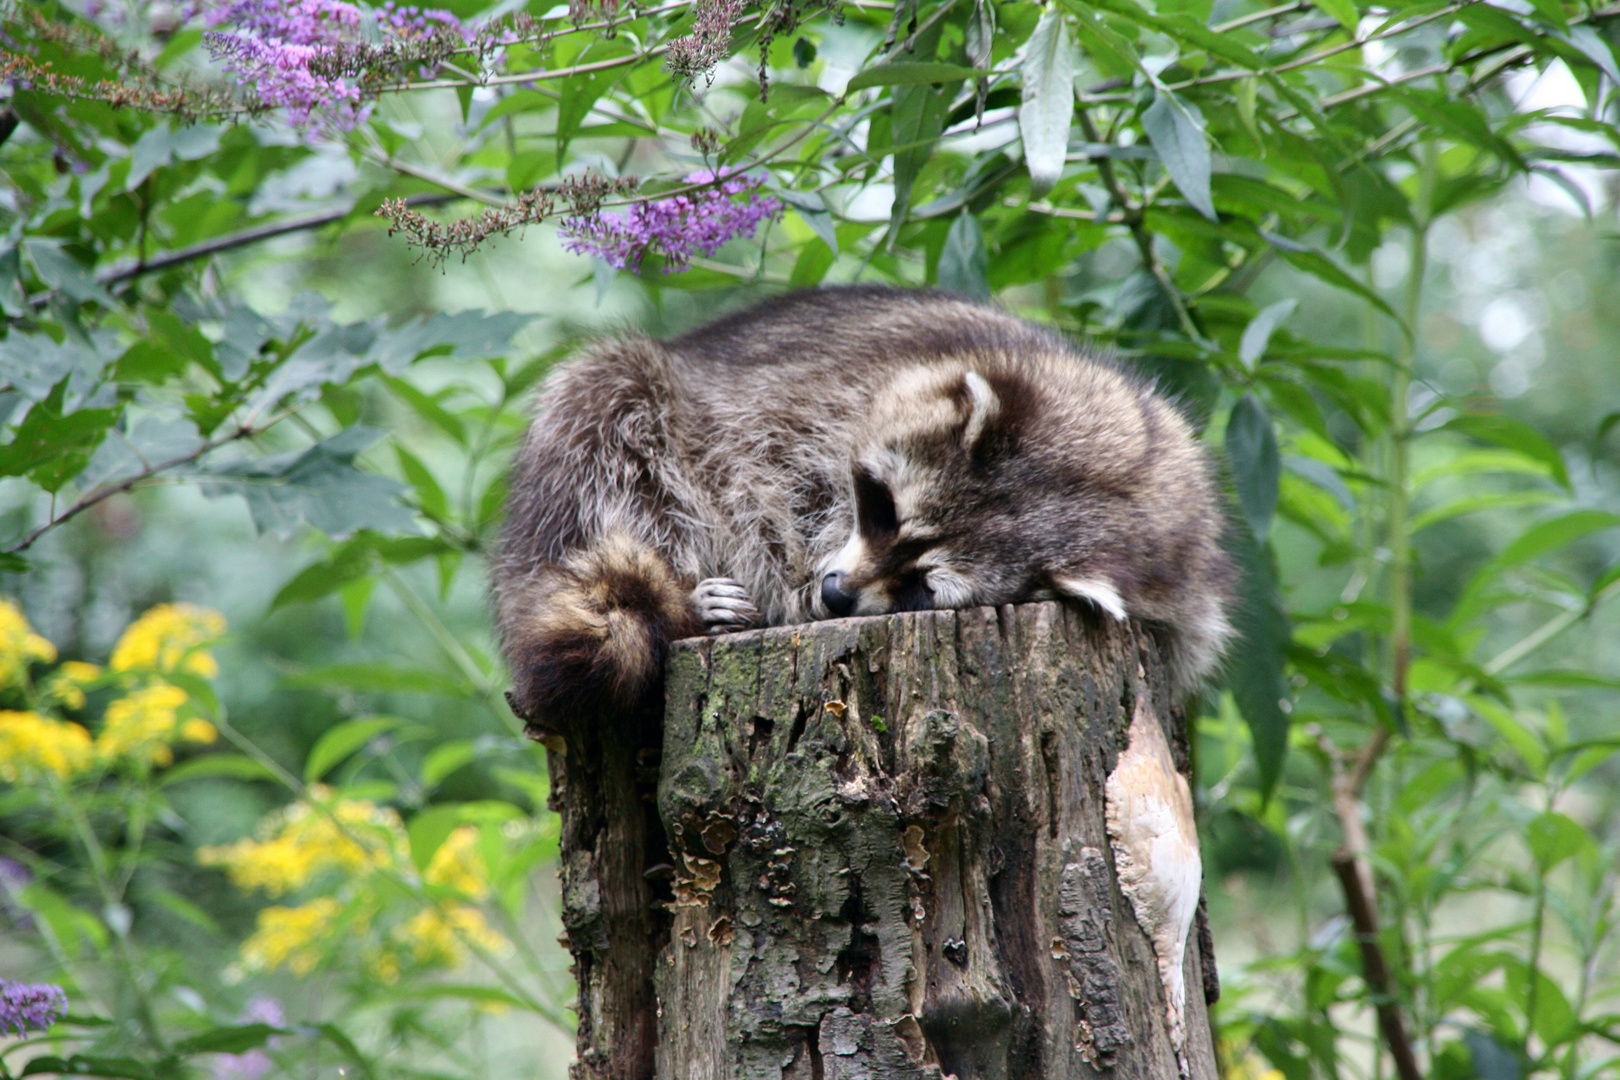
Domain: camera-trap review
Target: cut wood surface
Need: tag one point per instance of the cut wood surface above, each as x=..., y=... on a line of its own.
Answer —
x=891, y=860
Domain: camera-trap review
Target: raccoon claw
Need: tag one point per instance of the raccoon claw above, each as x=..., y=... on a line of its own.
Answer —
x=724, y=606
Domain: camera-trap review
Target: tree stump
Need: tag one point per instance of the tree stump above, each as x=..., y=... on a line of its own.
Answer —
x=892, y=859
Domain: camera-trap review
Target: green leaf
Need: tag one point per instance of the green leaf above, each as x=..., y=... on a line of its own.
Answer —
x=917, y=116
x=235, y=766
x=336, y=1036
x=1342, y=11
x=318, y=485
x=380, y=678
x=1514, y=435
x=348, y=562
x=1251, y=449
x=1549, y=536
x=1175, y=127
x=1319, y=266
x=50, y=447
x=445, y=759
x=90, y=1065
x=1256, y=667
x=60, y=272
x=964, y=265
x=1257, y=335
x=1047, y=110
x=1553, y=837
x=912, y=73
x=237, y=1039
x=812, y=208
x=338, y=742
x=1490, y=1059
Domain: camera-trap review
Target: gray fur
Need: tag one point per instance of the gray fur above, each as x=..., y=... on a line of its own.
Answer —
x=1021, y=468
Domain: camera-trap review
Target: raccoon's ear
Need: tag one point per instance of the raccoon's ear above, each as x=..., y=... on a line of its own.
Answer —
x=983, y=406
x=1097, y=591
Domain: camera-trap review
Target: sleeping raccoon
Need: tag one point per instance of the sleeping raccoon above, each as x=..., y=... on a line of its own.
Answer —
x=847, y=451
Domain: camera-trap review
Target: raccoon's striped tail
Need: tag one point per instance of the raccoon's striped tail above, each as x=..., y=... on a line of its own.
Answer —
x=591, y=632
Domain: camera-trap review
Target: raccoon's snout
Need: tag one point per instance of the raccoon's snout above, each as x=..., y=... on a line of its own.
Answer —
x=839, y=603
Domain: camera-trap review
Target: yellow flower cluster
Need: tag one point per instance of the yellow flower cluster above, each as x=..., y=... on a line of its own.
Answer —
x=170, y=637
x=19, y=646
x=32, y=745
x=360, y=844
x=300, y=842
x=65, y=686
x=142, y=725
x=290, y=936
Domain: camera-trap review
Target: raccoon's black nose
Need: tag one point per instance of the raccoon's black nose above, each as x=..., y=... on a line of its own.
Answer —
x=838, y=601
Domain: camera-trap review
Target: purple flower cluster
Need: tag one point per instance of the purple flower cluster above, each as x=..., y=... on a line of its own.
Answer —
x=269, y=47
x=26, y=1007
x=678, y=226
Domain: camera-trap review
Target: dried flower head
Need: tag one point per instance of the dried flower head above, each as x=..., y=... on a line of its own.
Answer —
x=709, y=42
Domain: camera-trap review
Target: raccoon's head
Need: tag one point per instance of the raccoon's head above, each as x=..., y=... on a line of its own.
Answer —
x=959, y=499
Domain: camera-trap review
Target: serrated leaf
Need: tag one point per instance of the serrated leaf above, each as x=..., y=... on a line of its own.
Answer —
x=1257, y=335
x=1251, y=449
x=1047, y=110
x=338, y=742
x=61, y=273
x=1175, y=127
x=964, y=265
x=318, y=485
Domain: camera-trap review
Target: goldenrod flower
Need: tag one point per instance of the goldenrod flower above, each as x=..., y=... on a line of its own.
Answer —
x=66, y=684
x=170, y=637
x=19, y=646
x=434, y=936
x=31, y=745
x=291, y=936
x=300, y=842
x=143, y=724
x=458, y=864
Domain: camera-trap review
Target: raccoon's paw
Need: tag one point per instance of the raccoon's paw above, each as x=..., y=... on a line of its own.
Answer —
x=723, y=606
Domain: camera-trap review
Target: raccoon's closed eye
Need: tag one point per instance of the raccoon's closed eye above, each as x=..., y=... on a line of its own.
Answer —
x=874, y=507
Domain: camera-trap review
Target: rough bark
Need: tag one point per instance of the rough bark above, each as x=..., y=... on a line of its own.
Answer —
x=603, y=775
x=890, y=857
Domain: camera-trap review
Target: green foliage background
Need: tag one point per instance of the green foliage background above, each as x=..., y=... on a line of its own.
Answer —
x=1358, y=241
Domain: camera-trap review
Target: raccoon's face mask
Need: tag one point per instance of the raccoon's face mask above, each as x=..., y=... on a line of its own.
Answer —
x=930, y=515
x=941, y=494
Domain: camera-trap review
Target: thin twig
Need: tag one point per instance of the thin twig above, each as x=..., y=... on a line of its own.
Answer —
x=133, y=268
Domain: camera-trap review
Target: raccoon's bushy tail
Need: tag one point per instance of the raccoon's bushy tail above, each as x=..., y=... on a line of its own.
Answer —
x=592, y=631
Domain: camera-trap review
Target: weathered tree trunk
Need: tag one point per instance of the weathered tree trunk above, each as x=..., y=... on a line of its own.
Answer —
x=890, y=854
x=891, y=857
